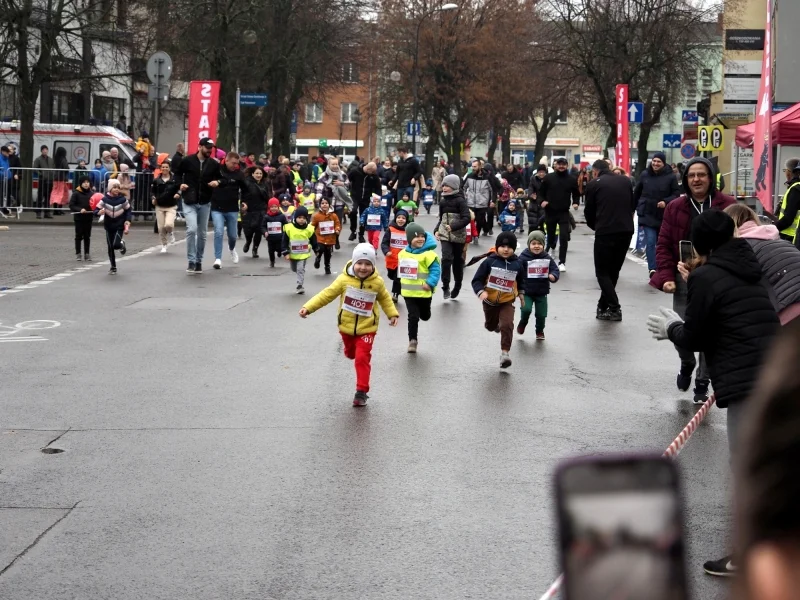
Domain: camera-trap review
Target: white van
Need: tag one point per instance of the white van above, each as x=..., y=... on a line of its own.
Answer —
x=82, y=142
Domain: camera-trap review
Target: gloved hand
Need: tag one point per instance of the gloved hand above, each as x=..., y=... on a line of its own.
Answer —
x=659, y=324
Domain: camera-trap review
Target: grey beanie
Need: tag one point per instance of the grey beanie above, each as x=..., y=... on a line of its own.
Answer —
x=452, y=181
x=793, y=164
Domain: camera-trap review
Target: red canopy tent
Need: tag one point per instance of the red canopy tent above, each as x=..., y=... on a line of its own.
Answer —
x=785, y=129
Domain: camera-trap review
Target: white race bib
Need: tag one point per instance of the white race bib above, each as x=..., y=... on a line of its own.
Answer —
x=510, y=219
x=274, y=227
x=398, y=240
x=373, y=220
x=384, y=202
x=501, y=279
x=538, y=268
x=408, y=268
x=326, y=228
x=298, y=246
x=359, y=302
x=309, y=204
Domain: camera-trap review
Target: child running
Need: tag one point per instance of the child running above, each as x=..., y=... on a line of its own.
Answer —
x=307, y=197
x=274, y=220
x=521, y=208
x=428, y=196
x=297, y=237
x=374, y=220
x=511, y=218
x=419, y=270
x=540, y=271
x=394, y=240
x=287, y=208
x=117, y=212
x=360, y=289
x=497, y=283
x=407, y=205
x=326, y=228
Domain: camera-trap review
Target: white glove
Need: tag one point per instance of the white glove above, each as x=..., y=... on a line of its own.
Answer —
x=659, y=325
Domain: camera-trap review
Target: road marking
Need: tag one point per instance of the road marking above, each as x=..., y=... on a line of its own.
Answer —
x=34, y=338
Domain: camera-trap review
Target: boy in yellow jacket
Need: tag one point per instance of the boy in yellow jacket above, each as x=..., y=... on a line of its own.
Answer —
x=360, y=289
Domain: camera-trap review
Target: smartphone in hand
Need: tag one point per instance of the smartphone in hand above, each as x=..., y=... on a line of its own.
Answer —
x=686, y=251
x=620, y=528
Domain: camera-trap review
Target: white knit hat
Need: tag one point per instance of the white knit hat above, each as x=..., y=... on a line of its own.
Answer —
x=364, y=252
x=113, y=183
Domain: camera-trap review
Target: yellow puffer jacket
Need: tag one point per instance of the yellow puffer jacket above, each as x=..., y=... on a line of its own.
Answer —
x=360, y=299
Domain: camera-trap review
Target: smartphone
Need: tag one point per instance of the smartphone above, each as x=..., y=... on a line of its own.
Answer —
x=686, y=250
x=620, y=528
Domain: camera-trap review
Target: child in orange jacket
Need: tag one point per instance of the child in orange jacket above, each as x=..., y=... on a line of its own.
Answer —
x=393, y=242
x=326, y=227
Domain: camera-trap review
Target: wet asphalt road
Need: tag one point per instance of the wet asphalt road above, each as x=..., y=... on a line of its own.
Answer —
x=211, y=451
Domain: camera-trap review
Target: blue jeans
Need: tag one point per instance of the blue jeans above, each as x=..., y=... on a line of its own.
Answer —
x=222, y=220
x=196, y=230
x=640, y=242
x=651, y=237
x=410, y=191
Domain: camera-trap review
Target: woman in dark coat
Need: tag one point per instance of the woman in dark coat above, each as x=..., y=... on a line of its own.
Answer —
x=656, y=188
x=254, y=206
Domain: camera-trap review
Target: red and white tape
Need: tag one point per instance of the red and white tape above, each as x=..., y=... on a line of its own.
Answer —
x=672, y=451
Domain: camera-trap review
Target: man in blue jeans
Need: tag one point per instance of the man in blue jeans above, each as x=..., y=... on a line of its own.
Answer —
x=225, y=206
x=199, y=174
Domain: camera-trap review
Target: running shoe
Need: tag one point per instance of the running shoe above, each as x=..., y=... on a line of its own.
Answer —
x=300, y=290
x=218, y=263
x=164, y=249
x=198, y=268
x=521, y=327
x=190, y=268
x=112, y=271
x=123, y=249
x=562, y=267
x=87, y=257
x=246, y=248
x=684, y=381
x=540, y=336
x=317, y=261
x=723, y=567
x=456, y=290
x=171, y=238
x=412, y=346
x=78, y=257
x=700, y=393
x=360, y=399
x=234, y=256
x=505, y=360
x=446, y=293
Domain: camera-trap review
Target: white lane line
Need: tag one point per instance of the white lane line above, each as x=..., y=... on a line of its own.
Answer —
x=27, y=339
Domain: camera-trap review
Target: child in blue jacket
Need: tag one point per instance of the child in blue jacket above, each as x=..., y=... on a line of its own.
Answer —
x=511, y=218
x=374, y=220
x=540, y=271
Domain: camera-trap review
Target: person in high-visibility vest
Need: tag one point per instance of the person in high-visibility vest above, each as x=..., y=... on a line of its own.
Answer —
x=789, y=215
x=298, y=241
x=419, y=270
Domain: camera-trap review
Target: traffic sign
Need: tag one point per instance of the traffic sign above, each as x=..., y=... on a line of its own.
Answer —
x=710, y=138
x=323, y=143
x=688, y=151
x=410, y=128
x=671, y=140
x=253, y=99
x=635, y=112
x=689, y=116
x=159, y=68
x=157, y=92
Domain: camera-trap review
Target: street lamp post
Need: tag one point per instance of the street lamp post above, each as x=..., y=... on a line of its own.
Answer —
x=357, y=119
x=415, y=70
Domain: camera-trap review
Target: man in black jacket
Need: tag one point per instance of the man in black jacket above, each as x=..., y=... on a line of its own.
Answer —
x=198, y=174
x=555, y=193
x=408, y=172
x=609, y=213
x=364, y=182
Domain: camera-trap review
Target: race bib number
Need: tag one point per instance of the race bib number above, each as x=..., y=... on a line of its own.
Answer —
x=408, y=268
x=274, y=227
x=309, y=204
x=501, y=279
x=398, y=240
x=538, y=268
x=510, y=219
x=359, y=302
x=298, y=246
x=384, y=202
x=326, y=228
x=373, y=220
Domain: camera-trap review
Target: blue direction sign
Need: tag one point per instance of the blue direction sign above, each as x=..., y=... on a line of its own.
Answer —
x=689, y=116
x=688, y=151
x=253, y=99
x=635, y=112
x=293, y=125
x=672, y=140
x=410, y=128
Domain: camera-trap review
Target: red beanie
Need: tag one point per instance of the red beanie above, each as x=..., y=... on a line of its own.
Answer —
x=273, y=202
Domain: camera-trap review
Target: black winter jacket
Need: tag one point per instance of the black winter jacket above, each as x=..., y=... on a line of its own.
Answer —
x=225, y=197
x=559, y=190
x=537, y=286
x=363, y=185
x=780, y=264
x=653, y=188
x=79, y=200
x=609, y=204
x=191, y=173
x=455, y=203
x=255, y=196
x=730, y=318
x=165, y=191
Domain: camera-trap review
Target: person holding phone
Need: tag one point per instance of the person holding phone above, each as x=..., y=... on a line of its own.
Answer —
x=700, y=194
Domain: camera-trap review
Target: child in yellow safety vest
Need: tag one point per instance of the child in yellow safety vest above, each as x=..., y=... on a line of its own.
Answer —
x=307, y=197
x=360, y=290
x=394, y=240
x=298, y=241
x=419, y=269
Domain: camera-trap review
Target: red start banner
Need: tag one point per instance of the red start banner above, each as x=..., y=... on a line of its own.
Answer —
x=623, y=153
x=203, y=112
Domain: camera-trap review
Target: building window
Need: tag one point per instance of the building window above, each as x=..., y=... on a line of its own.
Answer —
x=65, y=107
x=691, y=92
x=708, y=76
x=313, y=113
x=349, y=110
x=9, y=102
x=107, y=109
x=350, y=73
x=561, y=117
x=80, y=150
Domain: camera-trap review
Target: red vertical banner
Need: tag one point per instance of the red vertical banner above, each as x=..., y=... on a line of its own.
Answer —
x=623, y=153
x=762, y=140
x=203, y=112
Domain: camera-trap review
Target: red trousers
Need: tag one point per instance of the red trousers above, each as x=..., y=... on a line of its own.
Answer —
x=359, y=348
x=374, y=238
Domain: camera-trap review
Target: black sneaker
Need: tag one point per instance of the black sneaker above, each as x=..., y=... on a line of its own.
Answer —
x=255, y=253
x=337, y=245
x=446, y=293
x=360, y=399
x=78, y=257
x=112, y=271
x=122, y=249
x=521, y=327
x=361, y=240
x=723, y=567
x=317, y=261
x=352, y=236
x=327, y=270
x=684, y=381
x=87, y=257
x=614, y=315
x=395, y=299
x=190, y=268
x=456, y=290
x=603, y=315
x=700, y=393
x=246, y=248
x=198, y=268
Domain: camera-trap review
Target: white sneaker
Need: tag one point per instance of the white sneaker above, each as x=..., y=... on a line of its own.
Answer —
x=218, y=263
x=562, y=267
x=164, y=249
x=171, y=238
x=234, y=256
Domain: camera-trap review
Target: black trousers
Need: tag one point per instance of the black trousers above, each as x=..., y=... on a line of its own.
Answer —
x=480, y=220
x=560, y=221
x=114, y=241
x=419, y=309
x=452, y=256
x=273, y=248
x=355, y=218
x=392, y=273
x=326, y=251
x=83, y=232
x=609, y=255
x=253, y=235
x=43, y=197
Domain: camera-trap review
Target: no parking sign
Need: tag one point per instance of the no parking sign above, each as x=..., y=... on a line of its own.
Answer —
x=688, y=151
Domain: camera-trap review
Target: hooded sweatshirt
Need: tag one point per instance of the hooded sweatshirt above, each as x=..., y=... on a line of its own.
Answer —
x=81, y=199
x=274, y=222
x=394, y=240
x=536, y=282
x=730, y=318
x=374, y=210
x=488, y=278
x=511, y=220
x=327, y=220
